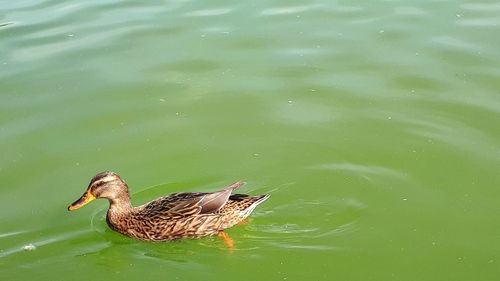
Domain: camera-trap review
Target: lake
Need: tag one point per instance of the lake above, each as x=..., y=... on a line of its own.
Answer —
x=374, y=125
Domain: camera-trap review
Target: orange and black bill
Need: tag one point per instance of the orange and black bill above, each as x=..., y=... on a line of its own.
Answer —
x=84, y=200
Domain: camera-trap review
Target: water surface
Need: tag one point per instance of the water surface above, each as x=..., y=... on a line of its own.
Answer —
x=373, y=124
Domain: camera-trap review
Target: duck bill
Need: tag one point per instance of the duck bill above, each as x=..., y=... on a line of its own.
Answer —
x=86, y=198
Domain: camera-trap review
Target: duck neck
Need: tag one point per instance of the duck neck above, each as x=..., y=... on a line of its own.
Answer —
x=119, y=206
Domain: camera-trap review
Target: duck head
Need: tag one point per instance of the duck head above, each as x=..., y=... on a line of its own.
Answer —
x=107, y=185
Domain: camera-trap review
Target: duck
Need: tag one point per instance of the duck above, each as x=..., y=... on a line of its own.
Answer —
x=171, y=217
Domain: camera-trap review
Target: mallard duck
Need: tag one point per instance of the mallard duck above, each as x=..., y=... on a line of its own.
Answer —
x=178, y=215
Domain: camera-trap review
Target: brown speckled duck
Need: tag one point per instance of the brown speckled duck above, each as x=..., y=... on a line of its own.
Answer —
x=178, y=215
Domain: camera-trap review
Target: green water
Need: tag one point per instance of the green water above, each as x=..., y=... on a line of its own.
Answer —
x=375, y=125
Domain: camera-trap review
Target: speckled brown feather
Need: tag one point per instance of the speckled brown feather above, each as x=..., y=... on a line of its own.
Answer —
x=179, y=215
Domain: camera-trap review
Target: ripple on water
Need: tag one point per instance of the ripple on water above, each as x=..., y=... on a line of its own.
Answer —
x=99, y=22
x=5, y=24
x=191, y=65
x=480, y=22
x=7, y=234
x=409, y=11
x=366, y=171
x=420, y=82
x=450, y=132
x=209, y=12
x=456, y=43
x=289, y=10
x=40, y=243
x=481, y=7
x=479, y=15
x=304, y=113
x=307, y=225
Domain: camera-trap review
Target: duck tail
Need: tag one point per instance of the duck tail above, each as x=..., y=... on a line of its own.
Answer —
x=235, y=185
x=261, y=198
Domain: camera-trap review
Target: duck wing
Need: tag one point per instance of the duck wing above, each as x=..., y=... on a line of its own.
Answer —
x=191, y=203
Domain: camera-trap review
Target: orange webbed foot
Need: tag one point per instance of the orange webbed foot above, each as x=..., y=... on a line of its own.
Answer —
x=227, y=239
